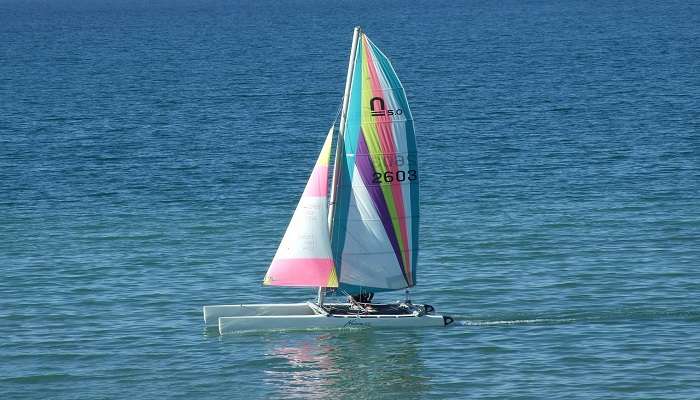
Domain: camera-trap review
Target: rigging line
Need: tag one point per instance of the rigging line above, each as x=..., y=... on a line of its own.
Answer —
x=337, y=113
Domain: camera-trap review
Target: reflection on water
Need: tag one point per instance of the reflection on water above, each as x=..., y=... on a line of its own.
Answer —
x=352, y=363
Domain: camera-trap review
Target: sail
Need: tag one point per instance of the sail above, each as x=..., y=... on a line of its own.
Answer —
x=375, y=215
x=304, y=256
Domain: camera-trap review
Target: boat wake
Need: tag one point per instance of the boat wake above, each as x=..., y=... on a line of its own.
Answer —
x=604, y=317
x=533, y=321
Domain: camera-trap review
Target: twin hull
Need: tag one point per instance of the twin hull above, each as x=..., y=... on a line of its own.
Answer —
x=257, y=317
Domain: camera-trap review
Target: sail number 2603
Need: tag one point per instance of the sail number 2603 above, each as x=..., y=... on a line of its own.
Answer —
x=391, y=176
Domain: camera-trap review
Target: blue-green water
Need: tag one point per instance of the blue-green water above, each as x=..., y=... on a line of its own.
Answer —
x=152, y=153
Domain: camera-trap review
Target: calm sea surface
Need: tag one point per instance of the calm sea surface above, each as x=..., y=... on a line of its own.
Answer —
x=151, y=154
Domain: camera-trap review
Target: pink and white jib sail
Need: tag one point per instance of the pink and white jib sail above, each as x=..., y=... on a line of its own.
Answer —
x=304, y=257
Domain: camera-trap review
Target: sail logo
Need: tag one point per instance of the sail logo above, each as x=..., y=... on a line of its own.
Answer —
x=378, y=108
x=355, y=322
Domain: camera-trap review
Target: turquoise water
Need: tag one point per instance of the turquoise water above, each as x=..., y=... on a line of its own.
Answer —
x=152, y=154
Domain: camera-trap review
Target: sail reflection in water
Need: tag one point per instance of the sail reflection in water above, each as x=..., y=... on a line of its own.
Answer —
x=345, y=364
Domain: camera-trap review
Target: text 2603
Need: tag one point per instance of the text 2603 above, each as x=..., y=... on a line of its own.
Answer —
x=391, y=176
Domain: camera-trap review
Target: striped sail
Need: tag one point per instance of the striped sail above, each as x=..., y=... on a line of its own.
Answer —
x=304, y=256
x=375, y=215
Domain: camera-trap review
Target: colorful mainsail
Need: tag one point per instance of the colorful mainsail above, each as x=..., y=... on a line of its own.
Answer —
x=304, y=256
x=375, y=215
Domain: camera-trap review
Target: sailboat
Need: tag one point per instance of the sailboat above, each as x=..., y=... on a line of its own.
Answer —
x=355, y=229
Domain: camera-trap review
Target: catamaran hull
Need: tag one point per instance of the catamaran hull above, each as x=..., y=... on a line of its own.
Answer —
x=305, y=316
x=213, y=313
x=303, y=322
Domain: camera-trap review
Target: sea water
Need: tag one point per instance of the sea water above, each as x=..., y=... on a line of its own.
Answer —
x=151, y=154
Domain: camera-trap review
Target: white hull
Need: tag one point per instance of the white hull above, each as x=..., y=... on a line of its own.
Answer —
x=302, y=316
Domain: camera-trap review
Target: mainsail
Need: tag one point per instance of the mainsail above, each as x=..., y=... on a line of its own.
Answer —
x=304, y=256
x=375, y=215
x=373, y=239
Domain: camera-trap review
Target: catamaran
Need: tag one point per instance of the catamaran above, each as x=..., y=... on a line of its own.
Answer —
x=362, y=237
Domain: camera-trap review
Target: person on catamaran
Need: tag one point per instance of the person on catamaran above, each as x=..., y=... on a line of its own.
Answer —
x=363, y=297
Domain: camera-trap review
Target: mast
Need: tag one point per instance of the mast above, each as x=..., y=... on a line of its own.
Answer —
x=339, y=144
x=341, y=129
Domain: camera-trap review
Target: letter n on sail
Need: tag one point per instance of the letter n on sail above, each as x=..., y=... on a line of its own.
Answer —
x=377, y=107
